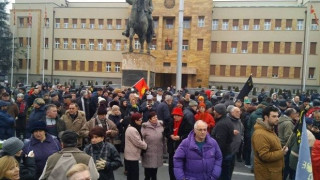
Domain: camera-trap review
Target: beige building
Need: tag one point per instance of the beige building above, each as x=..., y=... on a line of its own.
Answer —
x=223, y=42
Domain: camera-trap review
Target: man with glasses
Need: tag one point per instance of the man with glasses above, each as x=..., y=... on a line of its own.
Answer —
x=198, y=156
x=74, y=120
x=268, y=153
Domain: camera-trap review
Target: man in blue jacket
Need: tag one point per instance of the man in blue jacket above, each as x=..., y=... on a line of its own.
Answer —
x=6, y=121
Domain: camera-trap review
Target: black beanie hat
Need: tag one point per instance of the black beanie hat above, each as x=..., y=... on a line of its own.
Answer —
x=102, y=110
x=69, y=138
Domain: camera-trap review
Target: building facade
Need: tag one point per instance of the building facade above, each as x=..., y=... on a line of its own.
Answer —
x=223, y=42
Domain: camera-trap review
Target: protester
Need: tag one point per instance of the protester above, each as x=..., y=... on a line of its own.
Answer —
x=316, y=160
x=6, y=121
x=9, y=168
x=163, y=109
x=205, y=116
x=198, y=156
x=55, y=126
x=79, y=171
x=21, y=121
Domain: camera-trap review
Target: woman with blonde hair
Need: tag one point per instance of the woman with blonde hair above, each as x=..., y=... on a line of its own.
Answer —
x=79, y=171
x=9, y=168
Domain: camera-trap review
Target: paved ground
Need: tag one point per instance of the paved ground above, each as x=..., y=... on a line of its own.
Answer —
x=240, y=173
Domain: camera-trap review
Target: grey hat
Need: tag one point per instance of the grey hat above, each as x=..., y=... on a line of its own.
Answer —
x=4, y=103
x=220, y=108
x=20, y=95
x=12, y=145
x=149, y=97
x=193, y=103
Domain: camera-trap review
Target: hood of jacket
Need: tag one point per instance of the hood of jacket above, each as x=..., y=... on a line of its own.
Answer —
x=284, y=118
x=261, y=125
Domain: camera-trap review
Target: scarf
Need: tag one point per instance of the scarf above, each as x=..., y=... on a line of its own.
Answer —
x=97, y=151
x=176, y=126
x=22, y=107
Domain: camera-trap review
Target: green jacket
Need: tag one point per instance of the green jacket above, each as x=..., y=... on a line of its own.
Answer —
x=285, y=129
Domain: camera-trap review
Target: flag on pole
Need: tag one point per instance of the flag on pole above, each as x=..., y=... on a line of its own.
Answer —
x=304, y=166
x=312, y=11
x=246, y=88
x=141, y=86
x=30, y=19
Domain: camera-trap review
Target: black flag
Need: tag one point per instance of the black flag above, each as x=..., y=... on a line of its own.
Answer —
x=246, y=89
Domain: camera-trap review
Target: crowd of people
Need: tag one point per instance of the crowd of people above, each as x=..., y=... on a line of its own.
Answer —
x=55, y=132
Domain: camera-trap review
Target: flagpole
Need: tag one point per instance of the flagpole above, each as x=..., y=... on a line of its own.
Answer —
x=306, y=45
x=180, y=37
x=44, y=41
x=28, y=54
x=12, y=55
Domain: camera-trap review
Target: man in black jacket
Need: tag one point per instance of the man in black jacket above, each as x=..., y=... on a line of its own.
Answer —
x=223, y=134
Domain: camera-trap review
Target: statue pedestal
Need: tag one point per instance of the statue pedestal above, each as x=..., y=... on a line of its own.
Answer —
x=136, y=66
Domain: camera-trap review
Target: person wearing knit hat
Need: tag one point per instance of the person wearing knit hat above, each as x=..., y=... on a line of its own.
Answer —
x=12, y=146
x=223, y=134
x=37, y=113
x=202, y=114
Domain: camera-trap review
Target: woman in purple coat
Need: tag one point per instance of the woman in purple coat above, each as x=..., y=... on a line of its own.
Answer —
x=198, y=157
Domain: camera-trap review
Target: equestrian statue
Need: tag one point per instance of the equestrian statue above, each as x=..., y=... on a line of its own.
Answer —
x=140, y=23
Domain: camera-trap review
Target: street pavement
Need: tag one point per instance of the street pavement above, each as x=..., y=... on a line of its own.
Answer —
x=240, y=172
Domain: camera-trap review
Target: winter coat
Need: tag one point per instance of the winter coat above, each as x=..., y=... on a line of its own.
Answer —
x=316, y=160
x=154, y=137
x=268, y=155
x=253, y=118
x=184, y=130
x=60, y=127
x=133, y=144
x=237, y=139
x=223, y=134
x=144, y=109
x=188, y=115
x=193, y=164
x=206, y=117
x=6, y=125
x=41, y=150
x=163, y=112
x=21, y=121
x=285, y=129
x=75, y=125
x=108, y=152
x=37, y=114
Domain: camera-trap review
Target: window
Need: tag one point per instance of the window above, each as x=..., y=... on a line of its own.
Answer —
x=245, y=24
x=313, y=46
x=21, y=22
x=286, y=71
x=300, y=24
x=74, y=43
x=91, y=44
x=29, y=42
x=108, y=67
x=125, y=45
x=276, y=48
x=65, y=43
x=100, y=23
x=46, y=43
x=46, y=20
x=267, y=24
x=278, y=24
x=90, y=66
x=109, y=44
x=222, y=70
x=155, y=22
x=168, y=44
x=153, y=44
x=74, y=23
x=20, y=61
x=73, y=65
x=255, y=46
x=57, y=23
x=256, y=24
x=118, y=23
x=20, y=42
x=288, y=24
x=314, y=25
x=244, y=47
x=275, y=72
x=100, y=44
x=57, y=44
x=65, y=65
x=66, y=23
x=266, y=47
x=201, y=21
x=169, y=23
x=118, y=45
x=99, y=66
x=185, y=45
x=224, y=45
x=287, y=47
x=212, y=69
x=297, y=72
x=83, y=23
x=166, y=64
x=215, y=24
x=232, y=70
x=243, y=70
x=109, y=23
x=214, y=46
x=235, y=24
x=117, y=67
x=83, y=44
x=46, y=64
x=254, y=71
x=186, y=23
x=225, y=24
x=200, y=44
x=264, y=71
x=91, y=23
x=56, y=65
x=136, y=44
x=82, y=65
x=311, y=72
x=234, y=47
x=298, y=47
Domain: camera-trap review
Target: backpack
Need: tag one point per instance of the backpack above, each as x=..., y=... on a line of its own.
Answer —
x=65, y=162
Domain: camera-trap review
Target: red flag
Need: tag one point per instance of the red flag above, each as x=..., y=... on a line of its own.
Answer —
x=312, y=11
x=141, y=86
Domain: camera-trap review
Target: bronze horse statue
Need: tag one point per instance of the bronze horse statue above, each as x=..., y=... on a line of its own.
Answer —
x=138, y=24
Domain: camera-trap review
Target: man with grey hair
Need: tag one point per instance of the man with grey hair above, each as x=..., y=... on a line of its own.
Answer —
x=190, y=111
x=55, y=126
x=163, y=110
x=84, y=103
